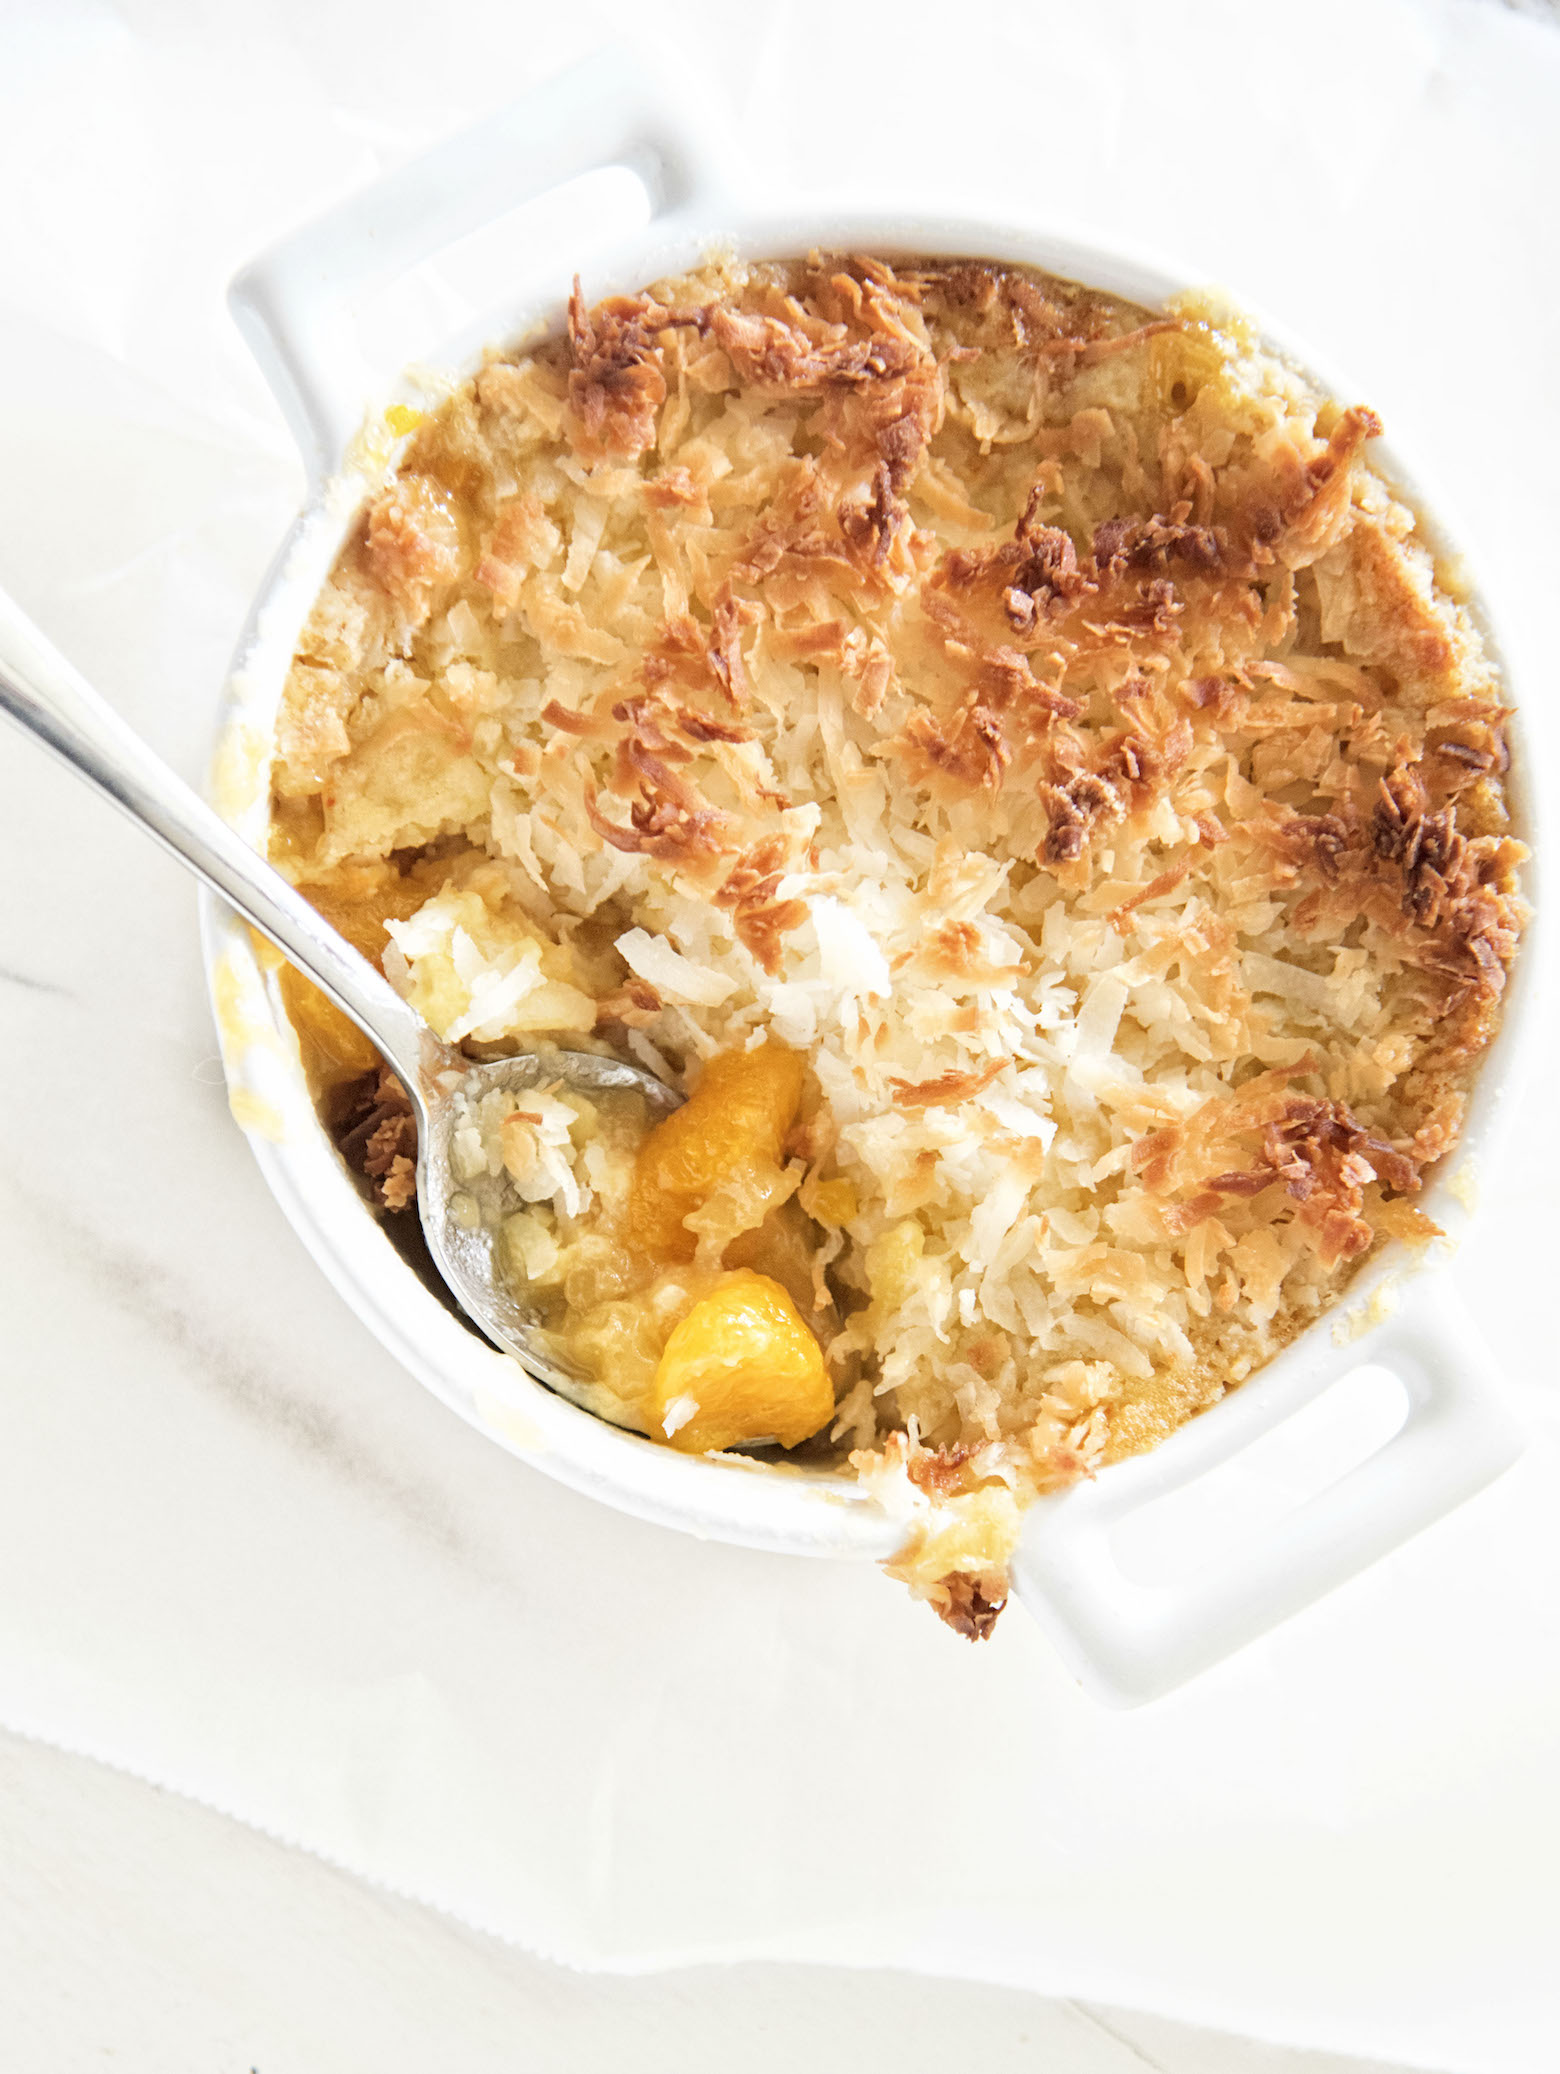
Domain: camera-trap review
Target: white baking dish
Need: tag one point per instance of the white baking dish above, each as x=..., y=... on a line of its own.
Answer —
x=1127, y=1640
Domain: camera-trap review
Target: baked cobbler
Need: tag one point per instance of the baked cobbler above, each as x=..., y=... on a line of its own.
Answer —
x=1010, y=759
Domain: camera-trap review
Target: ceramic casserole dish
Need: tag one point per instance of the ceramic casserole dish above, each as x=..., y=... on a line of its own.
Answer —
x=1125, y=1638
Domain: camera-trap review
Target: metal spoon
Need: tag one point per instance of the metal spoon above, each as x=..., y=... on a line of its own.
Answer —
x=41, y=691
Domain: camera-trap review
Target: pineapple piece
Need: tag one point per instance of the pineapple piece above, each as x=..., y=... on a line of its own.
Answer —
x=734, y=1122
x=741, y=1366
x=834, y=1203
x=894, y=1266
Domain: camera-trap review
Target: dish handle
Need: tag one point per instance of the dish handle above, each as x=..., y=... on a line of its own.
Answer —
x=294, y=304
x=1129, y=1641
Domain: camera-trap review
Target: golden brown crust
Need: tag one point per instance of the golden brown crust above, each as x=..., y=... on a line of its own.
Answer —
x=410, y=540
x=1450, y=900
x=616, y=385
x=1325, y=1159
x=1033, y=708
x=751, y=889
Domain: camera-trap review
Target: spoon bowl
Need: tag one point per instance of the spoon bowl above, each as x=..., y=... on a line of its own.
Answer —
x=462, y=1246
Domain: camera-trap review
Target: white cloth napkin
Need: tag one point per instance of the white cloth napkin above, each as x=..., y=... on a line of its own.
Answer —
x=243, y=1555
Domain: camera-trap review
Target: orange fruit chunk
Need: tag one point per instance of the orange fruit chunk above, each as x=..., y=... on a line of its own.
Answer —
x=740, y=1367
x=834, y=1203
x=736, y=1117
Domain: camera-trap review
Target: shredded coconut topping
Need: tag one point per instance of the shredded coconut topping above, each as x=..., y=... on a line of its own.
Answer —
x=1032, y=709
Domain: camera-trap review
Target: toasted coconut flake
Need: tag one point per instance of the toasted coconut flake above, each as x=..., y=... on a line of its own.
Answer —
x=616, y=382
x=970, y=1605
x=947, y=1090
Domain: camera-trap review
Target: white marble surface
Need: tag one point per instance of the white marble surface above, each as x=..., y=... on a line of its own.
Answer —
x=145, y=1934
x=241, y=1554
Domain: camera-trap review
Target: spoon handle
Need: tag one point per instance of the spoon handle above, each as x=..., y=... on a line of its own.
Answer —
x=43, y=694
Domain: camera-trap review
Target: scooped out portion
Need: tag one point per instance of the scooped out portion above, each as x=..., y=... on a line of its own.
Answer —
x=656, y=1256
x=1011, y=761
